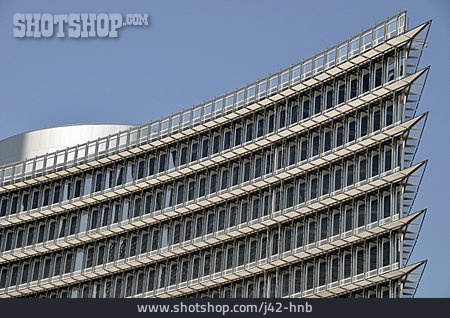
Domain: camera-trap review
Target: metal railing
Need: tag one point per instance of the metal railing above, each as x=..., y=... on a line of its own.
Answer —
x=217, y=107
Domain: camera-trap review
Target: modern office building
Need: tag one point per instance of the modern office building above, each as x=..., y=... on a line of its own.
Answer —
x=301, y=184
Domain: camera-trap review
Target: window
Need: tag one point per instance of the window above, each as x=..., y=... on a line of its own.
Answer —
x=325, y=183
x=362, y=169
x=216, y=144
x=176, y=233
x=389, y=115
x=258, y=165
x=298, y=280
x=290, y=197
x=336, y=223
x=221, y=220
x=236, y=175
x=353, y=86
x=387, y=206
x=244, y=212
x=207, y=265
x=260, y=127
x=329, y=98
x=361, y=214
x=311, y=231
x=315, y=145
x=364, y=124
x=317, y=104
x=334, y=269
x=313, y=189
x=285, y=281
x=386, y=253
x=347, y=265
x=292, y=151
x=241, y=254
x=213, y=183
x=348, y=219
x=205, y=148
x=218, y=264
x=337, y=179
x=194, y=152
x=360, y=261
x=351, y=130
x=172, y=158
x=304, y=150
x=302, y=192
x=3, y=207
x=390, y=68
x=98, y=182
x=210, y=223
x=365, y=81
x=306, y=106
x=180, y=193
x=374, y=210
x=199, y=226
x=349, y=174
x=188, y=230
x=282, y=118
x=378, y=75
x=294, y=112
x=275, y=238
x=327, y=141
x=249, y=132
x=252, y=253
x=341, y=92
x=375, y=164
x=323, y=227
x=246, y=171
x=299, y=235
x=271, y=123
x=322, y=272
x=183, y=155
x=232, y=219
x=227, y=140
x=224, y=180
x=387, y=160
x=255, y=209
x=287, y=244
x=309, y=277
x=229, y=263
x=376, y=120
x=141, y=169
x=237, y=136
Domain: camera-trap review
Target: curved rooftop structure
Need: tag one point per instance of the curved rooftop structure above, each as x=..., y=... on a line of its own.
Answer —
x=39, y=142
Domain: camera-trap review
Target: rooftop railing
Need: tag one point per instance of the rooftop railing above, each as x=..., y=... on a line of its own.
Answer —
x=217, y=107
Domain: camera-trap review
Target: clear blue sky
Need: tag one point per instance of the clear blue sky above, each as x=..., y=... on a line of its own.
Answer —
x=195, y=50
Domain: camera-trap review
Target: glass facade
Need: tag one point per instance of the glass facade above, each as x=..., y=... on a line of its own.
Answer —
x=294, y=194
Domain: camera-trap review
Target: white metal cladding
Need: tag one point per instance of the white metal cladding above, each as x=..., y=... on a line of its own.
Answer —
x=211, y=199
x=382, y=277
x=295, y=255
x=145, y=220
x=402, y=227
x=169, y=129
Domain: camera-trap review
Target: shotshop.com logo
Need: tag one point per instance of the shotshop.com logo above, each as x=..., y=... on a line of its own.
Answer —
x=73, y=25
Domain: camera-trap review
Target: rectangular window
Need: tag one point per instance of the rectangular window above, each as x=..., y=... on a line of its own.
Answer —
x=227, y=140
x=216, y=144
x=305, y=109
x=378, y=75
x=348, y=219
x=364, y=125
x=330, y=94
x=351, y=131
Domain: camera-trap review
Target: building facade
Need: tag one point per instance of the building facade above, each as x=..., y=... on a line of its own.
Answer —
x=301, y=184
